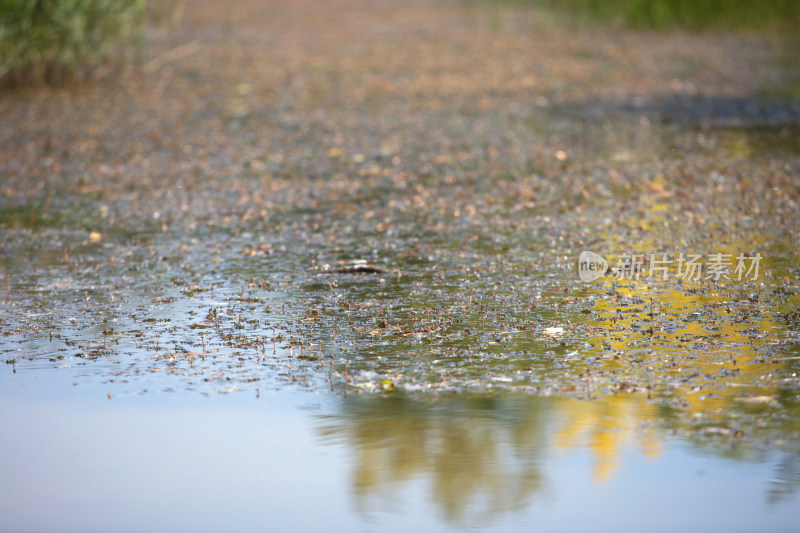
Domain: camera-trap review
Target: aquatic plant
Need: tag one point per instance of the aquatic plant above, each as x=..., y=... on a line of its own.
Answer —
x=48, y=41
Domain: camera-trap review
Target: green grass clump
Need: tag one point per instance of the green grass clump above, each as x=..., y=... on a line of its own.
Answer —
x=736, y=15
x=55, y=41
x=694, y=14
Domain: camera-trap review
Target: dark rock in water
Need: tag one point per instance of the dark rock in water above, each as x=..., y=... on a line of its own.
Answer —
x=357, y=269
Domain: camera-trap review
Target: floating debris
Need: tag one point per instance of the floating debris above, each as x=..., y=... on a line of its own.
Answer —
x=357, y=269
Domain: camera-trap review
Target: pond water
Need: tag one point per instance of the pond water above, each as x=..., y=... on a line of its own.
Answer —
x=74, y=461
x=196, y=394
x=343, y=293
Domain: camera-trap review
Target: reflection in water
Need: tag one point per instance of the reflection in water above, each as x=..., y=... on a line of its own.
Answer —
x=787, y=480
x=482, y=456
x=606, y=428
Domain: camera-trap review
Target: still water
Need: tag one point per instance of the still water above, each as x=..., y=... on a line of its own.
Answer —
x=73, y=460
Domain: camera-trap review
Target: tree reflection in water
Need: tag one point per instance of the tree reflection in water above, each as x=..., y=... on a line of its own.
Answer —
x=481, y=455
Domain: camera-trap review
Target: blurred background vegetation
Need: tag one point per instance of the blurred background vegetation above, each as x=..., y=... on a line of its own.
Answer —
x=56, y=41
x=728, y=15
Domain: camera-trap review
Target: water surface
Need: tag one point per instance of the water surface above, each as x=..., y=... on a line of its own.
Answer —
x=190, y=341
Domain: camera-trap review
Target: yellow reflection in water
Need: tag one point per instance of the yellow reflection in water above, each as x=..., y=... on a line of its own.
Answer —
x=705, y=347
x=482, y=456
x=605, y=428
